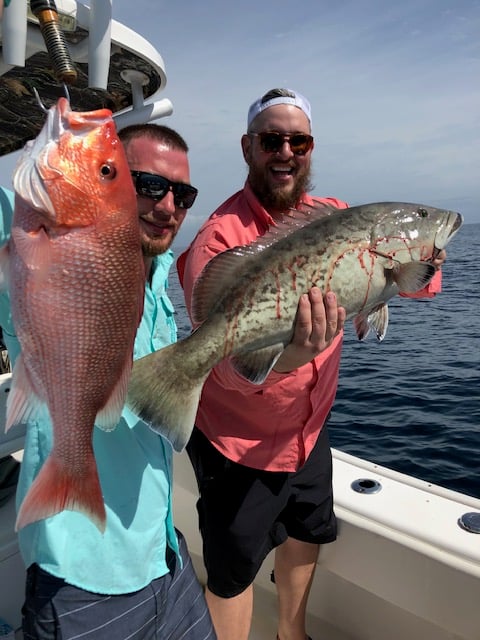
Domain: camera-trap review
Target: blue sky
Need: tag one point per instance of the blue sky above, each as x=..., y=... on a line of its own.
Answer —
x=394, y=88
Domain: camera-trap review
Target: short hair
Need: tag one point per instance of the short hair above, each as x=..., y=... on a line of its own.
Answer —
x=159, y=132
x=277, y=93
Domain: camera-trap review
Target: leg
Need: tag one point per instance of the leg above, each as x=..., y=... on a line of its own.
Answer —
x=237, y=508
x=295, y=563
x=54, y=609
x=181, y=608
x=231, y=617
x=310, y=522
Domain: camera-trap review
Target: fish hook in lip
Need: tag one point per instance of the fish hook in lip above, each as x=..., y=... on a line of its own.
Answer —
x=39, y=100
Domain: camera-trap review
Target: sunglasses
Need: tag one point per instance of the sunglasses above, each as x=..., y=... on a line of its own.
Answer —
x=151, y=185
x=272, y=142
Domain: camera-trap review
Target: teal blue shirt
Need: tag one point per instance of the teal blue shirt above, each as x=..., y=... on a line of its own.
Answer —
x=135, y=470
x=6, y=215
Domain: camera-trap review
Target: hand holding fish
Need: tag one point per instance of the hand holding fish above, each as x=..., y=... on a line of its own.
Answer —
x=319, y=321
x=245, y=302
x=438, y=261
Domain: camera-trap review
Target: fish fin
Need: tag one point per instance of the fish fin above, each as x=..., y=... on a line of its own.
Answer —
x=167, y=402
x=256, y=365
x=26, y=178
x=108, y=417
x=376, y=319
x=34, y=249
x=413, y=276
x=362, y=328
x=4, y=267
x=215, y=278
x=56, y=488
x=224, y=268
x=22, y=401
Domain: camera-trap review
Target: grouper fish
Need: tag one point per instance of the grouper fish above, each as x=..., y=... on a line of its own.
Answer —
x=246, y=298
x=76, y=279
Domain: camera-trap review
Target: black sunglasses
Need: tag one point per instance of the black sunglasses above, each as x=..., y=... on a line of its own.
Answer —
x=151, y=185
x=272, y=142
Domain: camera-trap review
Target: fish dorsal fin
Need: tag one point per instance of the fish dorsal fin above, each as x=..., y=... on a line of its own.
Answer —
x=212, y=282
x=219, y=273
x=293, y=220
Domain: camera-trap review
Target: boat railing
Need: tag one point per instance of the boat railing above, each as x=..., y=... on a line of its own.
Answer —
x=112, y=66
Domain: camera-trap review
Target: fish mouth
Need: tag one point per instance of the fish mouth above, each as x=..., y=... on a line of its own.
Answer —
x=28, y=177
x=447, y=230
x=33, y=167
x=37, y=164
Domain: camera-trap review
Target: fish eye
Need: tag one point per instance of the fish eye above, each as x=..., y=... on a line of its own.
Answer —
x=423, y=213
x=108, y=171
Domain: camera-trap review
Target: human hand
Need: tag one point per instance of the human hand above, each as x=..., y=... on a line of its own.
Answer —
x=319, y=320
x=439, y=259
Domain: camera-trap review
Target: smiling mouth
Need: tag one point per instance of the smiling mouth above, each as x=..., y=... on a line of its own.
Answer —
x=156, y=228
x=281, y=172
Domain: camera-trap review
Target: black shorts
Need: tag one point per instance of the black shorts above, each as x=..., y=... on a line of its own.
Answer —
x=244, y=513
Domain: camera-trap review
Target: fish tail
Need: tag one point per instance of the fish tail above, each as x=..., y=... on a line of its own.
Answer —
x=57, y=488
x=164, y=391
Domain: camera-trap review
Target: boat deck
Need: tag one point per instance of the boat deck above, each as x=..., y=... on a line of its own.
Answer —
x=383, y=578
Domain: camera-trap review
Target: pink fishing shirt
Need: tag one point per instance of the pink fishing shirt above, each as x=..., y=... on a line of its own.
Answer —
x=274, y=425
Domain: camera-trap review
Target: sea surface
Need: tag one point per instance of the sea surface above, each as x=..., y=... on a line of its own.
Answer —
x=412, y=402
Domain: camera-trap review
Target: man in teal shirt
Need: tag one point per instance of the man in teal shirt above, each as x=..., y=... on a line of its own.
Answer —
x=136, y=580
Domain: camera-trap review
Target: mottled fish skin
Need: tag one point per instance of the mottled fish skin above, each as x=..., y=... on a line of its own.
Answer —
x=247, y=297
x=76, y=289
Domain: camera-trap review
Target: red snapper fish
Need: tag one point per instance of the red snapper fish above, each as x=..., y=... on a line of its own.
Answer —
x=76, y=275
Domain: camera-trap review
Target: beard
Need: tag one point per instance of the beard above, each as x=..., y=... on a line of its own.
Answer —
x=277, y=197
x=152, y=247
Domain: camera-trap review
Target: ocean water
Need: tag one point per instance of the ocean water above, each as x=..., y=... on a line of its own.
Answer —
x=412, y=402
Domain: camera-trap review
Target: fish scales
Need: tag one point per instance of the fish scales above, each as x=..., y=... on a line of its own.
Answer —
x=76, y=290
x=246, y=298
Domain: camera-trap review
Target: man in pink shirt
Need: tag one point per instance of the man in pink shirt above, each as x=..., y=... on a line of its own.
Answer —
x=261, y=453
